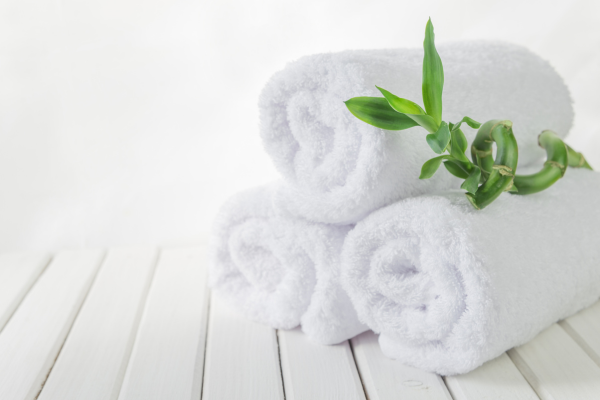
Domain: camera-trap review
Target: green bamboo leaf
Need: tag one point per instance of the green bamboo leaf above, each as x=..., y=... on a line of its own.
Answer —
x=439, y=140
x=401, y=105
x=471, y=184
x=433, y=76
x=410, y=109
x=455, y=170
x=377, y=112
x=459, y=145
x=469, y=121
x=431, y=166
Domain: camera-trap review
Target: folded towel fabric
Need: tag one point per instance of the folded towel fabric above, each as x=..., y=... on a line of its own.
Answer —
x=449, y=287
x=339, y=168
x=280, y=270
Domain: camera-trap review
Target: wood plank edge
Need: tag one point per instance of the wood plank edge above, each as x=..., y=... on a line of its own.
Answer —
x=283, y=371
x=357, y=367
x=528, y=374
x=208, y=313
x=198, y=388
x=453, y=387
x=136, y=326
x=280, y=366
x=44, y=261
x=72, y=322
x=580, y=341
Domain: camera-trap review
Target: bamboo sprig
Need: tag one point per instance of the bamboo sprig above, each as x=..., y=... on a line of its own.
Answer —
x=501, y=172
x=485, y=177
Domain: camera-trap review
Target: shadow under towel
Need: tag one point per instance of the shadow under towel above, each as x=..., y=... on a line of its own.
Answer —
x=279, y=270
x=449, y=287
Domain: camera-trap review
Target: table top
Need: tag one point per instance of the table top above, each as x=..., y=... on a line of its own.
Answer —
x=140, y=323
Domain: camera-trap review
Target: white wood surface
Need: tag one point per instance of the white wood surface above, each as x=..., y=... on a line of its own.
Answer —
x=92, y=362
x=495, y=380
x=556, y=367
x=386, y=379
x=168, y=357
x=18, y=272
x=34, y=335
x=148, y=329
x=584, y=328
x=311, y=371
x=242, y=360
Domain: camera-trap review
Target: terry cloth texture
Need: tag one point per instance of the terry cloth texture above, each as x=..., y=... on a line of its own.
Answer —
x=339, y=169
x=449, y=287
x=280, y=270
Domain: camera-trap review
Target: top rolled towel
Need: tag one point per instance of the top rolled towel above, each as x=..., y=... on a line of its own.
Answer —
x=449, y=287
x=339, y=168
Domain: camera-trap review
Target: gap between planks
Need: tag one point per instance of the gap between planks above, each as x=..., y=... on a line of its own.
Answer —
x=168, y=356
x=241, y=360
x=18, y=273
x=95, y=355
x=32, y=339
x=557, y=367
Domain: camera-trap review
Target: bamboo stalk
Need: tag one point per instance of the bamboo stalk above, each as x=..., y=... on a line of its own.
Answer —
x=503, y=170
x=554, y=168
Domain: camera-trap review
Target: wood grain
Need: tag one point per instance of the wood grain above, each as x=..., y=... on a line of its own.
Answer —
x=312, y=371
x=387, y=379
x=242, y=361
x=34, y=335
x=168, y=356
x=496, y=379
x=556, y=367
x=18, y=272
x=584, y=328
x=92, y=362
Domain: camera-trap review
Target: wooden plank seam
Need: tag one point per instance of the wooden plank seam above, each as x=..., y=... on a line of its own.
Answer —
x=73, y=322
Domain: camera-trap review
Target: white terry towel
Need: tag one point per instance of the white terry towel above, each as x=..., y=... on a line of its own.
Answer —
x=339, y=168
x=449, y=287
x=280, y=270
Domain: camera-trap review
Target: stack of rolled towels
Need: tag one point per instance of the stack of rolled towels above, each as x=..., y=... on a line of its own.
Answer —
x=350, y=239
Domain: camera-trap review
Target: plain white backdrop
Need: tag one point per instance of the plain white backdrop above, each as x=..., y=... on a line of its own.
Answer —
x=130, y=121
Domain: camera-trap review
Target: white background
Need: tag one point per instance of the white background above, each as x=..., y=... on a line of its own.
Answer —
x=130, y=121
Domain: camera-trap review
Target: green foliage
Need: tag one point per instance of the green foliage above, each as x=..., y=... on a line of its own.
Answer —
x=377, y=112
x=433, y=76
x=471, y=183
x=431, y=166
x=409, y=109
x=456, y=169
x=471, y=122
x=485, y=177
x=439, y=140
x=459, y=145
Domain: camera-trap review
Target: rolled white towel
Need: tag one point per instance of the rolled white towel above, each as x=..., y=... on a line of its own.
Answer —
x=339, y=168
x=280, y=270
x=449, y=287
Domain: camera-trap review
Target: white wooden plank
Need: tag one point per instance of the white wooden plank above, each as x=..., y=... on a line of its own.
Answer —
x=387, y=379
x=312, y=371
x=496, y=379
x=584, y=328
x=556, y=367
x=92, y=362
x=18, y=272
x=168, y=355
x=34, y=335
x=242, y=361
